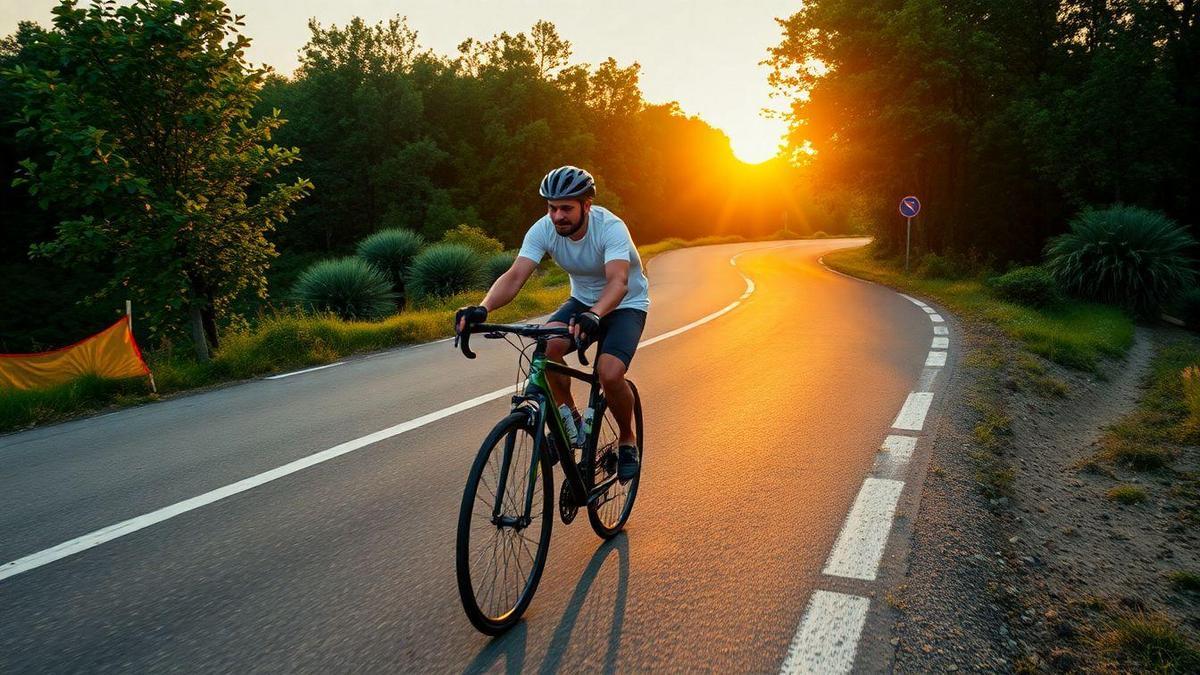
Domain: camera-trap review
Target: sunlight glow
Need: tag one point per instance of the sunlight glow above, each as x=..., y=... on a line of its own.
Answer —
x=756, y=142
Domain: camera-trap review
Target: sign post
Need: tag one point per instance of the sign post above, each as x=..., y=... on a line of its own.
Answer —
x=909, y=207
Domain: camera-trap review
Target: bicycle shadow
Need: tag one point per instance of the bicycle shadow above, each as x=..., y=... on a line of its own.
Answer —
x=511, y=646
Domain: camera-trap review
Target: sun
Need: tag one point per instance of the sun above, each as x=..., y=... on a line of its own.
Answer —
x=756, y=143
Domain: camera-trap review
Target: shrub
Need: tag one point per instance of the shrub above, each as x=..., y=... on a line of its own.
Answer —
x=1191, y=395
x=1126, y=494
x=1122, y=255
x=443, y=270
x=1030, y=286
x=391, y=252
x=473, y=238
x=498, y=264
x=934, y=266
x=1187, y=307
x=348, y=287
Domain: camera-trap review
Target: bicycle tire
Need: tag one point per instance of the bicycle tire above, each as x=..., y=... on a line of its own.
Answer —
x=606, y=517
x=492, y=616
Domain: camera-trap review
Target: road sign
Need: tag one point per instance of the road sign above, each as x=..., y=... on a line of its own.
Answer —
x=910, y=206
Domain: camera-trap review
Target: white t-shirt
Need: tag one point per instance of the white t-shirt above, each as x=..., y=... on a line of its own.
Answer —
x=607, y=239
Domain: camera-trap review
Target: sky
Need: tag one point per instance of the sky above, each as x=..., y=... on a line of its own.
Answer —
x=704, y=54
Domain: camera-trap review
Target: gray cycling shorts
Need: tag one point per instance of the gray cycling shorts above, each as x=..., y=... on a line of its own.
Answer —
x=620, y=329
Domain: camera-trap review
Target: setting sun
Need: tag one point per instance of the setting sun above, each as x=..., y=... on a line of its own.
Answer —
x=757, y=141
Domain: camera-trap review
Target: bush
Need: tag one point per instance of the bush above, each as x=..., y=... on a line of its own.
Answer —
x=391, y=252
x=1123, y=255
x=934, y=266
x=1030, y=286
x=348, y=287
x=443, y=270
x=1187, y=307
x=498, y=264
x=473, y=238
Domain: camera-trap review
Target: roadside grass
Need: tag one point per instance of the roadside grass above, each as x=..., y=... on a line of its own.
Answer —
x=1148, y=438
x=993, y=427
x=1126, y=494
x=1072, y=333
x=1183, y=580
x=287, y=340
x=1151, y=642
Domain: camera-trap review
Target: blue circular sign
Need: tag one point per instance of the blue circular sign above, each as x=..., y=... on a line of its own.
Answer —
x=910, y=206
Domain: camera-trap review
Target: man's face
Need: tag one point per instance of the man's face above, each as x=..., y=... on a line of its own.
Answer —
x=566, y=213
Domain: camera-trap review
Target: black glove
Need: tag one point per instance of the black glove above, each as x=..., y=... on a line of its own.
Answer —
x=473, y=315
x=589, y=326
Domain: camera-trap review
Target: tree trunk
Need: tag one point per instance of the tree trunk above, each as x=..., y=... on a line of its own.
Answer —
x=208, y=317
x=199, y=340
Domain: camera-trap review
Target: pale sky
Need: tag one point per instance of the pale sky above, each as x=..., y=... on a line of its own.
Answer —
x=702, y=53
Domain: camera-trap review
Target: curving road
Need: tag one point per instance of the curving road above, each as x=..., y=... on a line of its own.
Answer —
x=761, y=425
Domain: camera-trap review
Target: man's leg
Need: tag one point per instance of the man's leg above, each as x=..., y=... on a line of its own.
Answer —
x=618, y=395
x=560, y=385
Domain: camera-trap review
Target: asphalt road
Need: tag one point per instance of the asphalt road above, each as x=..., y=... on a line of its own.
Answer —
x=760, y=426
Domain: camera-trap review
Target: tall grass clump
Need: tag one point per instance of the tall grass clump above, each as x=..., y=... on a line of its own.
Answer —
x=1123, y=255
x=443, y=270
x=347, y=287
x=1191, y=397
x=473, y=238
x=391, y=252
x=498, y=264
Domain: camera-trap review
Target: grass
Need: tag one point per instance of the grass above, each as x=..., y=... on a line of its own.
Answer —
x=1075, y=334
x=1151, y=642
x=1146, y=439
x=1126, y=494
x=289, y=340
x=1182, y=580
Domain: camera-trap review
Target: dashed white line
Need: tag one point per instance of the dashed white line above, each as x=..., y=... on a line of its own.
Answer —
x=936, y=318
x=899, y=448
x=925, y=382
x=935, y=359
x=928, y=309
x=912, y=414
x=827, y=637
x=860, y=544
x=941, y=330
x=306, y=370
x=940, y=343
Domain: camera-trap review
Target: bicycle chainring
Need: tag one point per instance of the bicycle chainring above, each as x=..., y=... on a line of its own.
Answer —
x=567, y=508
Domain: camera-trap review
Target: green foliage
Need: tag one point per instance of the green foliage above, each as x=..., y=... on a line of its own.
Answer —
x=1152, y=642
x=1186, y=307
x=1126, y=494
x=150, y=152
x=1032, y=286
x=473, y=238
x=347, y=287
x=391, y=252
x=21, y=408
x=1123, y=255
x=443, y=270
x=498, y=264
x=934, y=266
x=1183, y=580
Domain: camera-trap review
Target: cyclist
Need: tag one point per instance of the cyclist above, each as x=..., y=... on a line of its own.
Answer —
x=610, y=294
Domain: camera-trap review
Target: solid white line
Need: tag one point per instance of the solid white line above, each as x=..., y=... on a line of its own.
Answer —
x=106, y=534
x=941, y=330
x=306, y=370
x=935, y=359
x=936, y=318
x=827, y=637
x=860, y=544
x=912, y=415
x=940, y=343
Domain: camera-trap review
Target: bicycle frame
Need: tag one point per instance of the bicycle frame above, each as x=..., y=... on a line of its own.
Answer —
x=540, y=398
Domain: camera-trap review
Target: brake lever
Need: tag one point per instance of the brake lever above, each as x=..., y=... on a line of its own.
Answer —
x=579, y=349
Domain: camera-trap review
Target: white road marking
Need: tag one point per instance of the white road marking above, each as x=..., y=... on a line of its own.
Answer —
x=936, y=318
x=107, y=534
x=940, y=343
x=893, y=457
x=306, y=370
x=899, y=447
x=928, y=309
x=935, y=359
x=925, y=382
x=941, y=330
x=911, y=299
x=859, y=546
x=912, y=415
x=827, y=637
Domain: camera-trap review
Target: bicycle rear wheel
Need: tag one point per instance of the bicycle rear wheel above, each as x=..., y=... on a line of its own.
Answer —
x=609, y=511
x=500, y=556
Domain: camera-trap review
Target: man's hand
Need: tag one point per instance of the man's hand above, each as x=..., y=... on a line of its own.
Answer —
x=469, y=316
x=584, y=326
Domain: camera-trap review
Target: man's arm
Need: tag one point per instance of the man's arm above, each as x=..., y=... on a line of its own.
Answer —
x=616, y=283
x=506, y=287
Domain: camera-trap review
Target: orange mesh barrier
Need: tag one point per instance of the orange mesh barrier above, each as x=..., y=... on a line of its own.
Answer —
x=110, y=353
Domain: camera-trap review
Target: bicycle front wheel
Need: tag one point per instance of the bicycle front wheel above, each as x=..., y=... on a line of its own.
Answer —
x=609, y=511
x=504, y=526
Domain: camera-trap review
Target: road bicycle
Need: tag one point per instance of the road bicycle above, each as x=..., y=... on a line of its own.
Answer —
x=507, y=510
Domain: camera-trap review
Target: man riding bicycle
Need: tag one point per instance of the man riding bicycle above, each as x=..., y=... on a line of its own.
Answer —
x=610, y=294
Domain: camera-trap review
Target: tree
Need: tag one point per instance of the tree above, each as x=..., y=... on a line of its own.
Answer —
x=153, y=149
